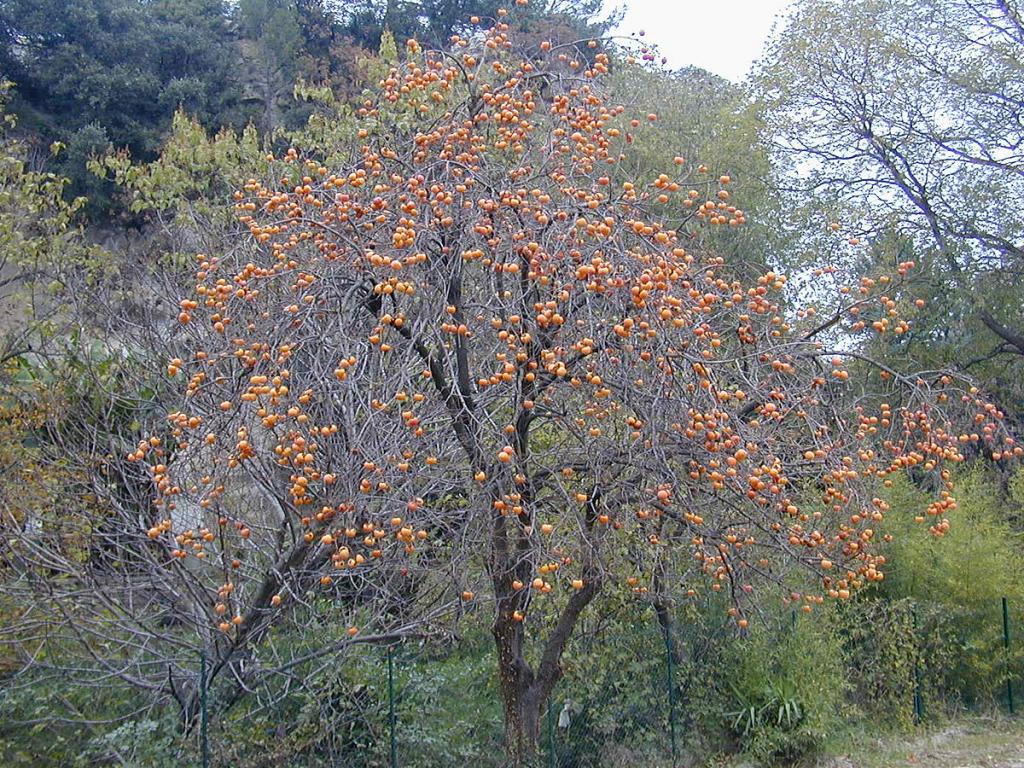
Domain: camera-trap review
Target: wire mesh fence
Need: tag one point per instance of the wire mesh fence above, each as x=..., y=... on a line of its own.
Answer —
x=644, y=691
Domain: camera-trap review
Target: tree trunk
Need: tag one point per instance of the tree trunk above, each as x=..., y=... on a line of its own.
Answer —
x=519, y=692
x=524, y=691
x=522, y=724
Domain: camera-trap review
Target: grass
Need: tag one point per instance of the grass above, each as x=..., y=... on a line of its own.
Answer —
x=975, y=742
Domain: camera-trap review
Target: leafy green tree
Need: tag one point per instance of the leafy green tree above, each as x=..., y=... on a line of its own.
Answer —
x=329, y=56
x=709, y=123
x=120, y=64
x=435, y=21
x=92, y=71
x=42, y=251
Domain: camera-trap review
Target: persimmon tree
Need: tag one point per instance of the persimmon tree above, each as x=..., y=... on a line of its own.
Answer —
x=467, y=359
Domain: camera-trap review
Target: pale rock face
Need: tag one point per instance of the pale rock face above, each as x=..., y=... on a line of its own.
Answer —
x=264, y=83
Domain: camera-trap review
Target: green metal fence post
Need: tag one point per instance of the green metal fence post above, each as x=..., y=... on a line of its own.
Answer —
x=552, y=755
x=391, y=708
x=204, y=744
x=918, y=703
x=671, y=692
x=1006, y=647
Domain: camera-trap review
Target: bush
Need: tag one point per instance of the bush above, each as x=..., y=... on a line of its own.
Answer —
x=781, y=693
x=446, y=711
x=897, y=648
x=137, y=744
x=615, y=692
x=40, y=725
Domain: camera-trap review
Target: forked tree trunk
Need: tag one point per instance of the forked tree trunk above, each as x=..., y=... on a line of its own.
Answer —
x=524, y=690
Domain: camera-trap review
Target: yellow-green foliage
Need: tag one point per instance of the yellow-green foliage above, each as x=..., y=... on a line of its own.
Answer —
x=980, y=559
x=192, y=167
x=41, y=247
x=964, y=575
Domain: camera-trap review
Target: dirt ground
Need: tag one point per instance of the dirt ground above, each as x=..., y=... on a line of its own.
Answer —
x=978, y=743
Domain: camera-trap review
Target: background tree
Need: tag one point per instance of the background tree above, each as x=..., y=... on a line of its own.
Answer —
x=42, y=248
x=901, y=121
x=329, y=55
x=433, y=22
x=271, y=41
x=96, y=71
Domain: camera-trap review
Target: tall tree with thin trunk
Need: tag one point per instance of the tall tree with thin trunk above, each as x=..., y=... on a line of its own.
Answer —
x=901, y=122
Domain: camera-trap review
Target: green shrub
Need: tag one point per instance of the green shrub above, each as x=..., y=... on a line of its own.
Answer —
x=615, y=692
x=780, y=691
x=897, y=649
x=137, y=744
x=447, y=712
x=39, y=726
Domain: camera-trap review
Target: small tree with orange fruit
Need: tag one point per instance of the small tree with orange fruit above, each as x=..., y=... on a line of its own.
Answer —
x=476, y=354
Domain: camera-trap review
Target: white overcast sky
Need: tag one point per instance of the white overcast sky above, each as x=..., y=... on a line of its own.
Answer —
x=723, y=38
